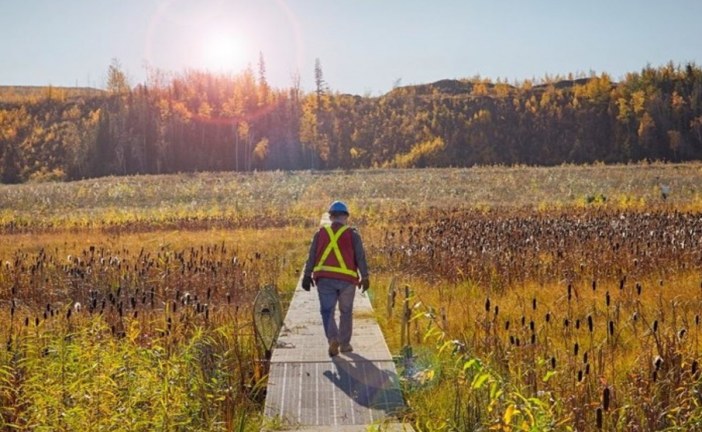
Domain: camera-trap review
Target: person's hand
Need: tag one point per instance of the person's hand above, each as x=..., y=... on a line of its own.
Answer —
x=365, y=284
x=306, y=283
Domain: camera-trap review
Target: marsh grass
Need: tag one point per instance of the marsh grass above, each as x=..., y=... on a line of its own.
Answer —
x=125, y=302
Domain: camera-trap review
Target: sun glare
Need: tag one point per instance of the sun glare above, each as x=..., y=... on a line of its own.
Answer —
x=223, y=52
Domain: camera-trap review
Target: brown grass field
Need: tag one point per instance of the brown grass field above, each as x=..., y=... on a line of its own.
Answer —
x=564, y=298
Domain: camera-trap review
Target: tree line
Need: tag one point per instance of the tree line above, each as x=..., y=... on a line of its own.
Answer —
x=198, y=121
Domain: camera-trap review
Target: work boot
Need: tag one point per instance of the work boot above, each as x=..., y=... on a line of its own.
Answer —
x=333, y=348
x=346, y=348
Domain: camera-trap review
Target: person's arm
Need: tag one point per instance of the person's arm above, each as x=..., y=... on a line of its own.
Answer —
x=359, y=254
x=309, y=265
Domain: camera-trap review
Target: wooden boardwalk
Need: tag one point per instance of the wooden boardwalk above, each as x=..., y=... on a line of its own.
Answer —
x=309, y=391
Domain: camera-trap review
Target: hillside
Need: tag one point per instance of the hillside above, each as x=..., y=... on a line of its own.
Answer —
x=204, y=122
x=18, y=94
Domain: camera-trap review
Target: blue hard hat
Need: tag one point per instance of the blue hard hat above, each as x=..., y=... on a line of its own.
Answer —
x=338, y=207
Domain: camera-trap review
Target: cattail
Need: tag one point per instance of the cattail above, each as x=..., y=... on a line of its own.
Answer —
x=553, y=363
x=576, y=348
x=511, y=339
x=697, y=320
x=638, y=288
x=68, y=313
x=657, y=362
x=681, y=333
x=693, y=369
x=533, y=338
x=577, y=324
x=587, y=369
x=566, y=322
x=599, y=418
x=507, y=325
x=594, y=284
x=26, y=321
x=590, y=325
x=531, y=325
x=621, y=283
x=548, y=316
x=605, y=398
x=497, y=310
x=570, y=289
x=229, y=298
x=487, y=305
x=585, y=357
x=533, y=303
x=580, y=375
x=655, y=326
x=523, y=320
x=517, y=341
x=36, y=322
x=607, y=298
x=611, y=328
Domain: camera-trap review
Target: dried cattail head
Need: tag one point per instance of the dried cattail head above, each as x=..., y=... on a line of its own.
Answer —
x=507, y=325
x=576, y=348
x=638, y=288
x=553, y=363
x=655, y=326
x=611, y=328
x=594, y=284
x=577, y=324
x=599, y=418
x=548, y=316
x=681, y=333
x=694, y=368
x=590, y=324
x=657, y=362
x=566, y=322
x=605, y=398
x=607, y=298
x=497, y=310
x=487, y=305
x=533, y=303
x=580, y=375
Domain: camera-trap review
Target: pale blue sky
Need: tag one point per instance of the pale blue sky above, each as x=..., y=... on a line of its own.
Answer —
x=364, y=45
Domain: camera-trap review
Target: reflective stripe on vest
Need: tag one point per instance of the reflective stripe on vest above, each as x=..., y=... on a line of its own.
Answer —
x=334, y=246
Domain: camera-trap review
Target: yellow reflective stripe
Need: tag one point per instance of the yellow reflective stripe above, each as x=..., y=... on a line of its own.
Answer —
x=336, y=270
x=334, y=246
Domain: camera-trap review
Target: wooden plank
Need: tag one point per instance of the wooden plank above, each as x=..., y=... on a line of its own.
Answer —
x=306, y=388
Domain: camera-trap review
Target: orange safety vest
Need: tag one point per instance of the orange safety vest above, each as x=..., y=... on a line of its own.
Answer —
x=335, y=257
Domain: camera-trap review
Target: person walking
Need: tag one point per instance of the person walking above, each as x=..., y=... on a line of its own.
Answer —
x=336, y=265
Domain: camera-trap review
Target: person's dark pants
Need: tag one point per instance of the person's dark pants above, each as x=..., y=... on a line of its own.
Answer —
x=331, y=292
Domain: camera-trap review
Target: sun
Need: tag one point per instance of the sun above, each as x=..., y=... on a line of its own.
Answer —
x=223, y=52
